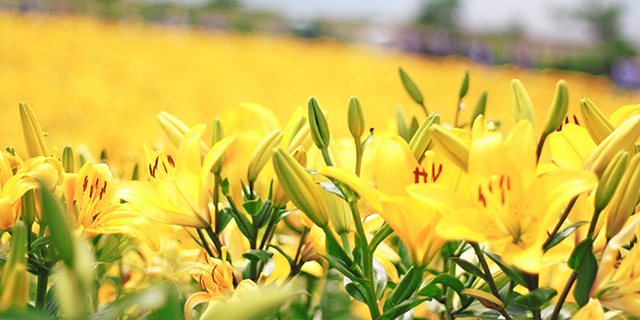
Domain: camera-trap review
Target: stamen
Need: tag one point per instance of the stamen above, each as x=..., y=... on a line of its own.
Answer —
x=165, y=167
x=417, y=174
x=489, y=184
x=155, y=166
x=91, y=192
x=435, y=176
x=575, y=119
x=508, y=183
x=173, y=164
x=502, y=192
x=501, y=180
x=481, y=197
x=84, y=185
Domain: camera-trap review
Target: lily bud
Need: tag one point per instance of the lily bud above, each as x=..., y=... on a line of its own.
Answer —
x=421, y=139
x=218, y=134
x=464, y=86
x=411, y=87
x=318, y=124
x=263, y=153
x=610, y=179
x=481, y=106
x=299, y=187
x=595, y=121
x=174, y=128
x=622, y=138
x=355, y=118
x=522, y=106
x=339, y=212
x=15, y=279
x=454, y=148
x=558, y=109
x=279, y=197
x=33, y=135
x=625, y=198
x=67, y=159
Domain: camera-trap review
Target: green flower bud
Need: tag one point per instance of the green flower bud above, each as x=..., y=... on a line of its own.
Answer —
x=454, y=148
x=263, y=153
x=610, y=179
x=67, y=159
x=558, y=109
x=622, y=138
x=33, y=135
x=318, y=124
x=522, y=106
x=218, y=134
x=403, y=129
x=624, y=200
x=464, y=86
x=597, y=124
x=279, y=197
x=481, y=106
x=299, y=187
x=420, y=141
x=174, y=128
x=411, y=87
x=355, y=118
x=15, y=279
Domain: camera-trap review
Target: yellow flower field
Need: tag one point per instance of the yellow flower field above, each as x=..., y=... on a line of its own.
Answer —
x=102, y=84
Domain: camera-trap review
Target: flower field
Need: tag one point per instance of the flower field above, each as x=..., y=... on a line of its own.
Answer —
x=162, y=172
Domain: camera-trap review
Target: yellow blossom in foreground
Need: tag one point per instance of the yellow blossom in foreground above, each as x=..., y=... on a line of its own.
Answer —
x=507, y=205
x=89, y=196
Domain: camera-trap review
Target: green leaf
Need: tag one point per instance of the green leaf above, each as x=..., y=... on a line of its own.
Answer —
x=55, y=218
x=355, y=290
x=469, y=267
x=413, y=127
x=580, y=252
x=513, y=274
x=342, y=267
x=563, y=234
x=411, y=87
x=535, y=299
x=367, y=140
x=331, y=187
x=224, y=217
x=447, y=280
x=288, y=257
x=253, y=206
x=405, y=288
x=258, y=255
x=402, y=308
x=40, y=243
x=586, y=276
x=449, y=248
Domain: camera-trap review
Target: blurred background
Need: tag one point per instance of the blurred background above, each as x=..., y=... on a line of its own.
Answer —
x=98, y=71
x=592, y=36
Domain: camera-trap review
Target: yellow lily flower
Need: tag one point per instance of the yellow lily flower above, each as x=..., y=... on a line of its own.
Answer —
x=90, y=194
x=216, y=278
x=617, y=281
x=178, y=190
x=507, y=204
x=397, y=168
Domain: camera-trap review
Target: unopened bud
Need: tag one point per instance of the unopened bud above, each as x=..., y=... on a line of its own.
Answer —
x=597, y=124
x=558, y=109
x=625, y=198
x=318, y=124
x=33, y=135
x=464, y=86
x=67, y=159
x=622, y=138
x=421, y=139
x=218, y=134
x=453, y=147
x=355, y=118
x=279, y=197
x=481, y=106
x=263, y=153
x=15, y=279
x=299, y=187
x=522, y=106
x=610, y=179
x=411, y=87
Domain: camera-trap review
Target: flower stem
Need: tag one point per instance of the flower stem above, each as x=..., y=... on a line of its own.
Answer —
x=205, y=243
x=561, y=221
x=488, y=276
x=41, y=294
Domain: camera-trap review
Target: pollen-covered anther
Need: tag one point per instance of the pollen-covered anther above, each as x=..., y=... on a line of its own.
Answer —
x=417, y=173
x=434, y=174
x=170, y=159
x=84, y=184
x=481, y=197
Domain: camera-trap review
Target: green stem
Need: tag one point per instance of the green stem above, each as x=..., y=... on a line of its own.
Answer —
x=563, y=296
x=488, y=276
x=346, y=244
x=457, y=113
x=268, y=234
x=41, y=294
x=448, y=302
x=564, y=216
x=216, y=240
x=358, y=145
x=216, y=201
x=424, y=108
x=540, y=145
x=205, y=243
x=326, y=156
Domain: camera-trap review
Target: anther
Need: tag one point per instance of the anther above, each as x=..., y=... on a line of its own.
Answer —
x=575, y=120
x=84, y=185
x=173, y=164
x=481, y=197
x=417, y=174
